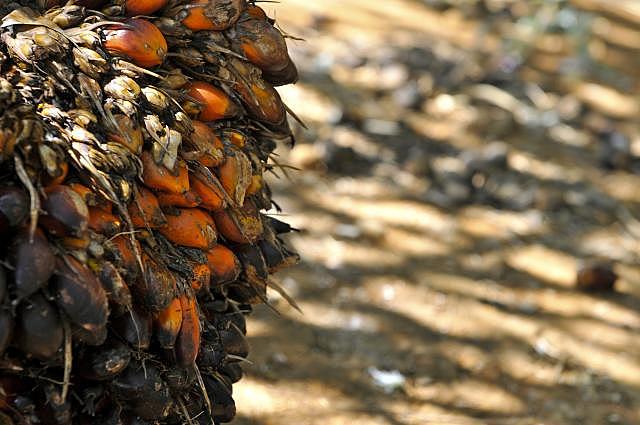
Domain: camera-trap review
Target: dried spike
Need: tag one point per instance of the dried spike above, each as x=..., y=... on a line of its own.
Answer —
x=33, y=194
x=123, y=87
x=224, y=408
x=284, y=294
x=68, y=358
x=254, y=267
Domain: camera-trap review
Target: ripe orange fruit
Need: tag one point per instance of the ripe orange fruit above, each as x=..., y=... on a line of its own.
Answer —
x=139, y=40
x=215, y=104
x=143, y=7
x=212, y=15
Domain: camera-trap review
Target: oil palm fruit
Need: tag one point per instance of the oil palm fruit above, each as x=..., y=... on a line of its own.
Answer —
x=133, y=139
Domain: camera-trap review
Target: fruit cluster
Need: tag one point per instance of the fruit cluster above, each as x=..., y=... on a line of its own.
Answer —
x=134, y=139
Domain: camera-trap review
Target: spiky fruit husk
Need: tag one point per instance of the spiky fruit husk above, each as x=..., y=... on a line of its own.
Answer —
x=133, y=231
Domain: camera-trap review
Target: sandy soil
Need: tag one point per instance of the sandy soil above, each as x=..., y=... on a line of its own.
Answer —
x=466, y=310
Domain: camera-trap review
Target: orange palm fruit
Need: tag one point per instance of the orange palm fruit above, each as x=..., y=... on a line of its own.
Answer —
x=256, y=12
x=188, y=199
x=157, y=286
x=235, y=175
x=72, y=244
x=145, y=209
x=211, y=102
x=33, y=262
x=55, y=181
x=143, y=7
x=85, y=193
x=80, y=294
x=287, y=75
x=91, y=4
x=257, y=182
x=14, y=207
x=223, y=263
x=129, y=133
x=241, y=225
x=254, y=267
x=207, y=144
x=188, y=343
x=67, y=213
x=91, y=198
x=39, y=332
x=138, y=40
x=259, y=97
x=161, y=178
x=126, y=257
x=167, y=324
x=262, y=44
x=117, y=288
x=216, y=15
x=596, y=276
x=201, y=276
x=270, y=107
x=209, y=189
x=237, y=139
x=190, y=227
x=103, y=222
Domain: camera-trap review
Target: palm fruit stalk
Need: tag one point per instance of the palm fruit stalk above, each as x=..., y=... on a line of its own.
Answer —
x=134, y=139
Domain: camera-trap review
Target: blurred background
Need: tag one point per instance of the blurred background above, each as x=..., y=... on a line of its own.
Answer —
x=465, y=159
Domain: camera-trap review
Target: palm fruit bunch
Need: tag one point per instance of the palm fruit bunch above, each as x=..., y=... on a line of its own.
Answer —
x=134, y=139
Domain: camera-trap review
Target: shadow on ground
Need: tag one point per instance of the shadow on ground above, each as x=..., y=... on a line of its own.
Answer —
x=440, y=236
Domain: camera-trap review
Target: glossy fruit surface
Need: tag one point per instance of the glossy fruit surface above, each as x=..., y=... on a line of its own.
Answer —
x=214, y=103
x=138, y=40
x=143, y=7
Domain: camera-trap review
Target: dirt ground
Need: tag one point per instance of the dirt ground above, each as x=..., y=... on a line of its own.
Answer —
x=440, y=236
